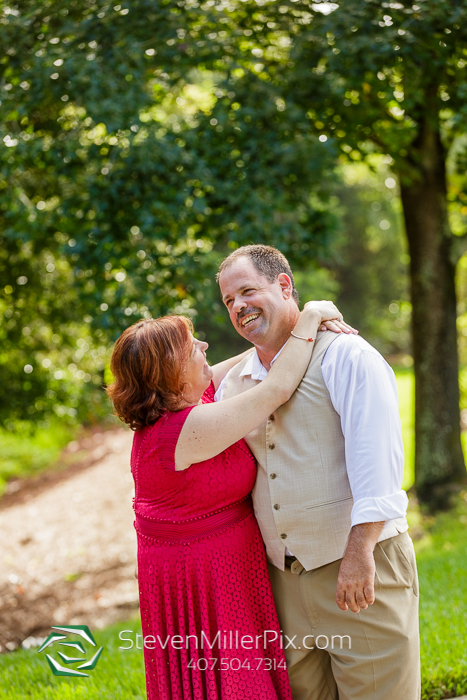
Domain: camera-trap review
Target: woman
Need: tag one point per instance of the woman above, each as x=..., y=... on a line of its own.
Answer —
x=210, y=628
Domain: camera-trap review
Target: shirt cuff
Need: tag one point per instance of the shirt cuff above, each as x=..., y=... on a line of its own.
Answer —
x=374, y=510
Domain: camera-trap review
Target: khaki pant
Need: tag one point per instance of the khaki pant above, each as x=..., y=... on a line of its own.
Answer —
x=373, y=655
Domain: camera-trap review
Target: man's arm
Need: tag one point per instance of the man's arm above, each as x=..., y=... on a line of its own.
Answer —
x=356, y=580
x=363, y=392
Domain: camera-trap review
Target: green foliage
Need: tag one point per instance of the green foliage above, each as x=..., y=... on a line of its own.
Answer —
x=369, y=259
x=143, y=143
x=50, y=363
x=128, y=169
x=376, y=70
x=462, y=308
x=30, y=449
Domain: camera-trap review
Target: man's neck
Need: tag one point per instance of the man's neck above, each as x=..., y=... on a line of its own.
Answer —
x=268, y=350
x=266, y=356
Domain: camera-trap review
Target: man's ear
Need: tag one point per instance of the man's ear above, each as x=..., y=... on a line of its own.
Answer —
x=285, y=284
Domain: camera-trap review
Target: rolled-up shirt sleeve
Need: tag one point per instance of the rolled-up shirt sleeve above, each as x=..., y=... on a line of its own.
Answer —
x=363, y=391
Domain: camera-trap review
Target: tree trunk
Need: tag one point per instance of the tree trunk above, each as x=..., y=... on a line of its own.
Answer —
x=439, y=462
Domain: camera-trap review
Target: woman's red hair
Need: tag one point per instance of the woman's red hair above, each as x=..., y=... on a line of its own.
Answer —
x=148, y=363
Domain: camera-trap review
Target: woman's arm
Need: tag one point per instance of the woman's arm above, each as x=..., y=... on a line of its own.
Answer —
x=211, y=428
x=221, y=369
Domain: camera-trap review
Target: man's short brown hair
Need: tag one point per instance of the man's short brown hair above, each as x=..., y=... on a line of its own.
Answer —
x=269, y=262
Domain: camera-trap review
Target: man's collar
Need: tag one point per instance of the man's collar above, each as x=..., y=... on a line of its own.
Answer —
x=254, y=368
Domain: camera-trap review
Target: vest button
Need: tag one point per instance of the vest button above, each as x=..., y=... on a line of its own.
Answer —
x=283, y=536
x=276, y=506
x=273, y=476
x=272, y=446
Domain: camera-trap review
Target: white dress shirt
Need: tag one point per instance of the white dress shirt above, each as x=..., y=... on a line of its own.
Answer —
x=363, y=391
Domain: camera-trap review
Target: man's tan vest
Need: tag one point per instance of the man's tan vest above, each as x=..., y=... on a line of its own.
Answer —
x=302, y=496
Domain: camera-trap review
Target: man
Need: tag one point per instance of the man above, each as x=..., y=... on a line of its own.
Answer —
x=328, y=497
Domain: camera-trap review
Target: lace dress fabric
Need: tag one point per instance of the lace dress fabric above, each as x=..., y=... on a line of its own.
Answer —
x=208, y=618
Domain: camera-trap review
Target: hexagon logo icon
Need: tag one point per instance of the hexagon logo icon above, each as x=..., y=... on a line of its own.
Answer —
x=76, y=651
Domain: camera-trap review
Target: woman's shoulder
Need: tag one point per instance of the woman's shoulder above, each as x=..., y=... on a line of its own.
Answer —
x=157, y=442
x=168, y=423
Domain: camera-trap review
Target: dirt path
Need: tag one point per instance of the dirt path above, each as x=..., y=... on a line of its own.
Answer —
x=68, y=546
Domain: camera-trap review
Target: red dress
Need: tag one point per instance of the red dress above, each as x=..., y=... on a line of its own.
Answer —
x=210, y=627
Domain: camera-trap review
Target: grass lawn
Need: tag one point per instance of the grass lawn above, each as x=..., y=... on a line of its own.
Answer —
x=442, y=568
x=119, y=675
x=28, y=450
x=406, y=388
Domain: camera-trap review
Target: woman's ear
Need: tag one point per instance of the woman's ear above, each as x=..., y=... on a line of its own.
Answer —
x=285, y=285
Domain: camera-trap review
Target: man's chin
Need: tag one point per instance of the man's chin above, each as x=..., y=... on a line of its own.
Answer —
x=252, y=330
x=254, y=335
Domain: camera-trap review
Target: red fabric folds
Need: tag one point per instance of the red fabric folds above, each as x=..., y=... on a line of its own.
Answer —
x=182, y=531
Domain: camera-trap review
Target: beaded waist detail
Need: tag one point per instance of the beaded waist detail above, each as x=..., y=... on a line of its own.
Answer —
x=194, y=528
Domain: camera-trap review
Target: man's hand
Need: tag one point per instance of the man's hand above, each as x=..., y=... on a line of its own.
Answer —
x=356, y=580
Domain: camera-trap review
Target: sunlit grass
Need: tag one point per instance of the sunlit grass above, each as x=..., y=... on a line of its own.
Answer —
x=119, y=675
x=28, y=450
x=406, y=390
x=442, y=566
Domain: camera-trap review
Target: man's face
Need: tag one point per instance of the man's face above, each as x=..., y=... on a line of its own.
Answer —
x=256, y=306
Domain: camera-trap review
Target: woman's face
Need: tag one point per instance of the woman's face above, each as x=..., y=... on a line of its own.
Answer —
x=198, y=374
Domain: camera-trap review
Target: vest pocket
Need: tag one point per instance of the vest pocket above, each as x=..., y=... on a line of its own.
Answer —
x=328, y=503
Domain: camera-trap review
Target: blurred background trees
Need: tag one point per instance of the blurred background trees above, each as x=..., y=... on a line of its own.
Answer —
x=389, y=78
x=143, y=142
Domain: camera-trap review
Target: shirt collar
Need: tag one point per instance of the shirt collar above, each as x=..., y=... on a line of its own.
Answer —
x=255, y=369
